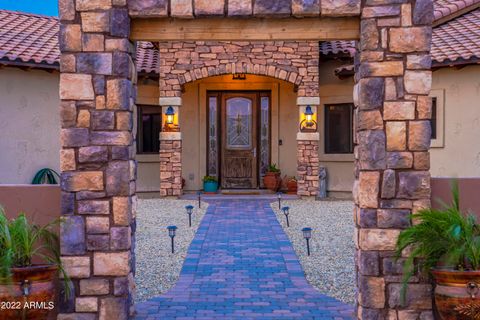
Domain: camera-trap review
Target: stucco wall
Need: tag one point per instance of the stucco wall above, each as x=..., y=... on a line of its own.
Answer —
x=460, y=154
x=30, y=123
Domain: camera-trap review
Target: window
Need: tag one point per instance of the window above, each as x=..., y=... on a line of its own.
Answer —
x=433, y=120
x=149, y=124
x=338, y=128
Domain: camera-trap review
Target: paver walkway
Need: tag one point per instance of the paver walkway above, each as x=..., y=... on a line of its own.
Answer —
x=242, y=265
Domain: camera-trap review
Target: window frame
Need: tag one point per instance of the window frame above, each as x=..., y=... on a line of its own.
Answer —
x=141, y=110
x=439, y=95
x=326, y=127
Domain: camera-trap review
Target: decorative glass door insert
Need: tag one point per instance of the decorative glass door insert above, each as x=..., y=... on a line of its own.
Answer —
x=239, y=123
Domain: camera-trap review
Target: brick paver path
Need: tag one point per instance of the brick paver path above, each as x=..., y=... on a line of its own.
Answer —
x=241, y=265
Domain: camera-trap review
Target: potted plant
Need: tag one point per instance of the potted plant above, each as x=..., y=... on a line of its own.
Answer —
x=292, y=185
x=21, y=280
x=271, y=179
x=210, y=184
x=446, y=243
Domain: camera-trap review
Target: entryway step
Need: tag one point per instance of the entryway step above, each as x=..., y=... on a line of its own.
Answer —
x=245, y=191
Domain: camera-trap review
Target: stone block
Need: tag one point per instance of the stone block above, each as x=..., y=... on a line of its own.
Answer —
x=93, y=207
x=86, y=304
x=118, y=178
x=381, y=69
x=367, y=218
x=120, y=23
x=393, y=218
x=95, y=21
x=396, y=135
x=120, y=238
x=305, y=8
x=72, y=235
x=419, y=61
x=371, y=149
x=67, y=63
x=113, y=308
x=370, y=36
x=340, y=8
x=368, y=263
x=418, y=296
x=418, y=82
x=413, y=39
x=77, y=316
x=103, y=120
x=424, y=107
x=268, y=8
x=209, y=7
x=76, y=87
x=421, y=160
x=124, y=121
x=121, y=65
x=93, y=154
x=118, y=94
x=392, y=266
x=399, y=110
x=98, y=225
x=94, y=287
x=83, y=119
x=93, y=42
x=399, y=160
x=66, y=10
x=182, y=8
x=121, y=285
x=68, y=114
x=113, y=138
x=111, y=264
x=378, y=239
x=82, y=181
x=368, y=189
x=98, y=242
x=371, y=292
x=76, y=267
x=67, y=160
x=122, y=207
x=67, y=203
x=414, y=185
x=369, y=120
x=148, y=8
x=388, y=184
x=371, y=93
x=419, y=135
x=423, y=12
x=92, y=5
x=94, y=63
x=99, y=88
x=120, y=153
x=381, y=11
x=70, y=38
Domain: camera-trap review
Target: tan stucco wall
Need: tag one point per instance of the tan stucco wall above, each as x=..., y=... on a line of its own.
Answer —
x=30, y=124
x=460, y=154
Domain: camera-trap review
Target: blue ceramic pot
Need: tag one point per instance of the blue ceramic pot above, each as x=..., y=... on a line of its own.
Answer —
x=210, y=186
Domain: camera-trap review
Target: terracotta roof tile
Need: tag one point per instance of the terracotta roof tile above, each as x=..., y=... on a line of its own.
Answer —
x=444, y=8
x=147, y=57
x=337, y=47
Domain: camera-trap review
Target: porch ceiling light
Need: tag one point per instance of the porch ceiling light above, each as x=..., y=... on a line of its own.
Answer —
x=170, y=114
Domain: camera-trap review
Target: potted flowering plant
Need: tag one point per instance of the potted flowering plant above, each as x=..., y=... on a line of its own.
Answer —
x=292, y=185
x=272, y=179
x=210, y=184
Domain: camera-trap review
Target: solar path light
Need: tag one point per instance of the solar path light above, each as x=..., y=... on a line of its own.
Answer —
x=199, y=194
x=279, y=197
x=307, y=234
x=189, y=212
x=171, y=233
x=286, y=213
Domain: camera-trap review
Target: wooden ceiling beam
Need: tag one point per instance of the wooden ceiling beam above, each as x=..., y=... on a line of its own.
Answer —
x=265, y=29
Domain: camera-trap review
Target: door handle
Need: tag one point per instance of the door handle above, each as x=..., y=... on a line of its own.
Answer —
x=254, y=151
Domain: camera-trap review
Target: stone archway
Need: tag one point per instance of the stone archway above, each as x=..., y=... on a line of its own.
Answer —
x=98, y=167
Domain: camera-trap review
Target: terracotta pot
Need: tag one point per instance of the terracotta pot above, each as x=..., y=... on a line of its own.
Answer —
x=457, y=294
x=292, y=187
x=272, y=180
x=30, y=295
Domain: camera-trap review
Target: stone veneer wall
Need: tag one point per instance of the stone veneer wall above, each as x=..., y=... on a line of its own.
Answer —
x=98, y=171
x=186, y=61
x=392, y=158
x=307, y=167
x=170, y=168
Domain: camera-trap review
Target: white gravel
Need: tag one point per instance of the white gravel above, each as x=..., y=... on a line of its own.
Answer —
x=157, y=269
x=330, y=267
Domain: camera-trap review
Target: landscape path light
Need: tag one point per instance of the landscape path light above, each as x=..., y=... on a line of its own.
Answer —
x=171, y=233
x=199, y=194
x=189, y=212
x=279, y=197
x=286, y=212
x=307, y=234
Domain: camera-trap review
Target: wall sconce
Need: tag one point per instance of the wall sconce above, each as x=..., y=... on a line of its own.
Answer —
x=170, y=114
x=308, y=123
x=170, y=125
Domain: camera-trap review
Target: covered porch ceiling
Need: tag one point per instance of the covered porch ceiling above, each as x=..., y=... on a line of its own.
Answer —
x=260, y=29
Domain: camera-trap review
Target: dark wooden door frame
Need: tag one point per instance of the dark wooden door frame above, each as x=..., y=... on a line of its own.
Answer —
x=219, y=95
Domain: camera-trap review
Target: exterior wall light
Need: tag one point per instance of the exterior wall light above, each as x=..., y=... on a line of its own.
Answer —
x=307, y=234
x=286, y=212
x=171, y=233
x=308, y=123
x=189, y=212
x=170, y=114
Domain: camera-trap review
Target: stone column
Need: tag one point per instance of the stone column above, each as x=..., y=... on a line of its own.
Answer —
x=307, y=153
x=171, y=153
x=392, y=133
x=97, y=158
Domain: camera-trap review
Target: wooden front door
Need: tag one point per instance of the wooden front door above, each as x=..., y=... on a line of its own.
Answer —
x=239, y=140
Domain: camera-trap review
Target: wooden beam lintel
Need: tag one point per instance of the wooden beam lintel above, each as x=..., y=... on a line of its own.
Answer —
x=265, y=29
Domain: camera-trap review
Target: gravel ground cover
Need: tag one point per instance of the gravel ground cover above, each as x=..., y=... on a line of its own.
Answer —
x=157, y=269
x=330, y=267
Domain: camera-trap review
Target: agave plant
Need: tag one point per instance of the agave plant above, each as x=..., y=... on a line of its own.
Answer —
x=444, y=238
x=46, y=176
x=22, y=241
